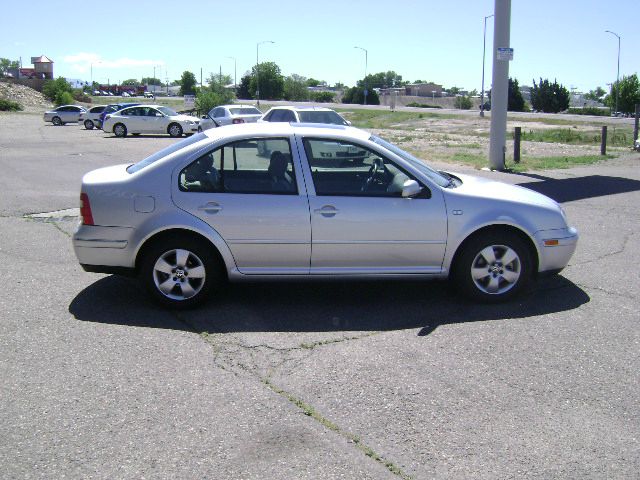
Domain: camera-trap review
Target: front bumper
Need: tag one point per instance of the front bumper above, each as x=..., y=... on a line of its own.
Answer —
x=556, y=247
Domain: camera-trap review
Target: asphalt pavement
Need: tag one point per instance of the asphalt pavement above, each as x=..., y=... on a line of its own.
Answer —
x=366, y=380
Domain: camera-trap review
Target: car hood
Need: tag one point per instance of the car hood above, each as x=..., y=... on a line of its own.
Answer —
x=490, y=189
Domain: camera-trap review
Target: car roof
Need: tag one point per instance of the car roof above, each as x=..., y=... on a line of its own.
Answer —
x=302, y=108
x=286, y=129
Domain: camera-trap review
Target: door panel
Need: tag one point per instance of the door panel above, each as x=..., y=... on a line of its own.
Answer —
x=265, y=223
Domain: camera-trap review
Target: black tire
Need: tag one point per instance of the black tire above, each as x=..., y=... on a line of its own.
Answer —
x=174, y=130
x=119, y=130
x=166, y=266
x=88, y=124
x=57, y=121
x=507, y=260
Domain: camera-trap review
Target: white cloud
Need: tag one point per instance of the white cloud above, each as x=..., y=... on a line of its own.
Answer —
x=81, y=62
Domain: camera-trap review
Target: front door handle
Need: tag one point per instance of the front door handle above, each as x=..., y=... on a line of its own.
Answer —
x=327, y=211
x=210, y=207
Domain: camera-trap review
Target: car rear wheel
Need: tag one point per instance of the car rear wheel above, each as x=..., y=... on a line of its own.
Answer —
x=57, y=121
x=119, y=130
x=180, y=273
x=175, y=130
x=493, y=267
x=88, y=124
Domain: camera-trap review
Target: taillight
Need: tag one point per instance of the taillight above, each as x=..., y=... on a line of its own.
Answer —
x=238, y=120
x=85, y=210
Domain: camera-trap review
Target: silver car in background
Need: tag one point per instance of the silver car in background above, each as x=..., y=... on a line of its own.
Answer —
x=212, y=208
x=64, y=114
x=228, y=115
x=155, y=119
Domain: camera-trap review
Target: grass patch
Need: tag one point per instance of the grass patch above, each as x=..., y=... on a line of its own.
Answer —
x=616, y=137
x=554, y=163
x=362, y=118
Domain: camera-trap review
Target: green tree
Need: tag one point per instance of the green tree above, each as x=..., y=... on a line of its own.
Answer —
x=515, y=100
x=595, y=95
x=295, y=88
x=312, y=82
x=382, y=80
x=271, y=81
x=131, y=81
x=628, y=91
x=151, y=81
x=549, y=97
x=53, y=90
x=454, y=90
x=244, y=89
x=6, y=65
x=188, y=83
x=215, y=93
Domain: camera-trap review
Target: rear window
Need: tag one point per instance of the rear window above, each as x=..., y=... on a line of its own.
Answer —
x=245, y=111
x=321, y=117
x=165, y=152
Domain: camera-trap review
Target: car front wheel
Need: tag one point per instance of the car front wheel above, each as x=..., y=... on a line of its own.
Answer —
x=493, y=267
x=56, y=121
x=180, y=273
x=119, y=130
x=175, y=130
x=88, y=124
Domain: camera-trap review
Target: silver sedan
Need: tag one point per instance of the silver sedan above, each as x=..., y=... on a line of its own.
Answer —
x=228, y=115
x=64, y=114
x=332, y=202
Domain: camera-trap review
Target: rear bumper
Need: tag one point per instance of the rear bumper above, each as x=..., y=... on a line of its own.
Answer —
x=104, y=247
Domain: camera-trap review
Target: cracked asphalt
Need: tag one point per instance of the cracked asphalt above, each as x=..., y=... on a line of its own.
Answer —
x=376, y=380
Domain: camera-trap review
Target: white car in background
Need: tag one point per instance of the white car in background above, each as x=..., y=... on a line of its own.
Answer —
x=292, y=114
x=151, y=119
x=230, y=114
x=91, y=118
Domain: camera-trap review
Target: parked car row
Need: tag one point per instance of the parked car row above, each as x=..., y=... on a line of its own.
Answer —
x=133, y=118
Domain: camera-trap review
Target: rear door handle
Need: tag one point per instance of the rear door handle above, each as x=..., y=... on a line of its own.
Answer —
x=210, y=207
x=327, y=211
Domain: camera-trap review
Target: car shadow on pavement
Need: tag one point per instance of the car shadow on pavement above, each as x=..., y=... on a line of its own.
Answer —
x=579, y=188
x=318, y=306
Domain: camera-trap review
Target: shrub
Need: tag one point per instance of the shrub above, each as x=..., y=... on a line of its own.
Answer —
x=356, y=95
x=463, y=103
x=599, y=112
x=422, y=105
x=323, y=97
x=9, y=106
x=81, y=96
x=53, y=88
x=63, y=98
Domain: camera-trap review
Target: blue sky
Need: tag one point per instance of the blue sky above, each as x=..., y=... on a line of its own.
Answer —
x=428, y=40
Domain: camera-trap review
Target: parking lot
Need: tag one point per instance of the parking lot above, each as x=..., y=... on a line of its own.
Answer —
x=363, y=380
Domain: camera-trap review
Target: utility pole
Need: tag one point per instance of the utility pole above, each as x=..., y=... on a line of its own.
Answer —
x=484, y=48
x=502, y=54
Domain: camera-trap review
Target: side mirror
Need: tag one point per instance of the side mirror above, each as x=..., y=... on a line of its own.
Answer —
x=159, y=114
x=348, y=123
x=410, y=188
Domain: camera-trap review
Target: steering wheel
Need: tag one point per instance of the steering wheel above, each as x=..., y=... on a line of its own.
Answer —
x=373, y=171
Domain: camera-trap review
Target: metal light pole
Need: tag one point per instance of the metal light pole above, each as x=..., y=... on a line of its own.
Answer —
x=366, y=61
x=484, y=49
x=257, y=72
x=500, y=83
x=618, y=75
x=235, y=81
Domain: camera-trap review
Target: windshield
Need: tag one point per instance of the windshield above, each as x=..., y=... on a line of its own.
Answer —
x=168, y=112
x=165, y=152
x=245, y=111
x=321, y=117
x=434, y=175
